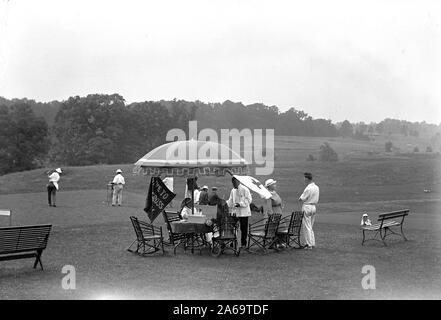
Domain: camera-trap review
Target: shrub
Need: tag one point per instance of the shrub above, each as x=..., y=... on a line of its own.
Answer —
x=359, y=135
x=416, y=149
x=429, y=149
x=327, y=153
x=310, y=158
x=388, y=146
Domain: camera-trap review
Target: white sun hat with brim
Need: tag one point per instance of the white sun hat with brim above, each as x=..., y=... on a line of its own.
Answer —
x=58, y=170
x=204, y=187
x=270, y=182
x=119, y=171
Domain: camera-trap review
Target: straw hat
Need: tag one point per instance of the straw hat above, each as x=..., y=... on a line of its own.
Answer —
x=270, y=182
x=58, y=170
x=119, y=171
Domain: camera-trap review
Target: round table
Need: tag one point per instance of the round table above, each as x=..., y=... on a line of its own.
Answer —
x=194, y=234
x=190, y=227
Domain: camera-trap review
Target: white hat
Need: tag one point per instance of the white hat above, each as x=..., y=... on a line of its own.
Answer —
x=205, y=187
x=270, y=182
x=119, y=171
x=58, y=170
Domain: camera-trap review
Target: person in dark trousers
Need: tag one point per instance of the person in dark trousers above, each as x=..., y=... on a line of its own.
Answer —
x=239, y=203
x=52, y=186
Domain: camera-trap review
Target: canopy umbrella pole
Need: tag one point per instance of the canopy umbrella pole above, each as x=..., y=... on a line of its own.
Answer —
x=192, y=197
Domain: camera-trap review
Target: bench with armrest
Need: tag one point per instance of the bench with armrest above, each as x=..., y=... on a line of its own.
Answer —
x=384, y=226
x=23, y=242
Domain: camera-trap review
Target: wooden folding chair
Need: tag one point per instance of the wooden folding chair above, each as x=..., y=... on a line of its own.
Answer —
x=289, y=229
x=224, y=236
x=263, y=235
x=173, y=238
x=148, y=238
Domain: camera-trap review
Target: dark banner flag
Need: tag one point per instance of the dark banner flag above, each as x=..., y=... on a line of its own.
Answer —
x=158, y=197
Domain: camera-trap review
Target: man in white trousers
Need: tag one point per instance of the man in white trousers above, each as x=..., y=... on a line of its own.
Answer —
x=309, y=199
x=118, y=185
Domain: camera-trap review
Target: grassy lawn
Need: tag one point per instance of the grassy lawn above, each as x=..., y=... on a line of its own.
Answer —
x=93, y=237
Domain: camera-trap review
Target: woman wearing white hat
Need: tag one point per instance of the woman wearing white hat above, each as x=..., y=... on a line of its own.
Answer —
x=273, y=204
x=118, y=184
x=52, y=187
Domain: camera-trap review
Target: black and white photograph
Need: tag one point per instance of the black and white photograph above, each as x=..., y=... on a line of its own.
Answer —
x=220, y=151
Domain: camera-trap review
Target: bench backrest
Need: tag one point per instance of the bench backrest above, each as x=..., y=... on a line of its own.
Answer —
x=24, y=238
x=168, y=218
x=393, y=214
x=227, y=226
x=144, y=229
x=295, y=222
x=272, y=224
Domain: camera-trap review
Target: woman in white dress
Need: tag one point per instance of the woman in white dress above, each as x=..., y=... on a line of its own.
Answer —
x=273, y=204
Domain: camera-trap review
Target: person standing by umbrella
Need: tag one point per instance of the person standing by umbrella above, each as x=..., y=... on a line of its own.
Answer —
x=309, y=199
x=118, y=185
x=52, y=187
x=239, y=203
x=273, y=204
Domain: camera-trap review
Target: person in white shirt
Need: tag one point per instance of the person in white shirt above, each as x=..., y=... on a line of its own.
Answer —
x=52, y=187
x=239, y=204
x=192, y=184
x=118, y=185
x=309, y=199
x=186, y=208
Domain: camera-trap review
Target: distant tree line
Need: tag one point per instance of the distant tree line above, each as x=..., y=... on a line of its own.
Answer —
x=104, y=129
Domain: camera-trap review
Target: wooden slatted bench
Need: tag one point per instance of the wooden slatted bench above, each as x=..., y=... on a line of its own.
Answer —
x=385, y=225
x=24, y=242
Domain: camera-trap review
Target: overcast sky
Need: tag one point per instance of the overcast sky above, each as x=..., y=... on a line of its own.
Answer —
x=356, y=60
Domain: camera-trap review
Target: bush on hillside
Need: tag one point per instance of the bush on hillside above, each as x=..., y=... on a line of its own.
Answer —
x=388, y=146
x=327, y=153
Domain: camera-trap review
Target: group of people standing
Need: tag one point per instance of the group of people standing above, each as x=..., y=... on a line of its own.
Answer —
x=238, y=204
x=240, y=200
x=117, y=183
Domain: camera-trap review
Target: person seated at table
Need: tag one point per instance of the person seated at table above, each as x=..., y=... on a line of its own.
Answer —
x=212, y=197
x=222, y=207
x=222, y=212
x=185, y=208
x=203, y=196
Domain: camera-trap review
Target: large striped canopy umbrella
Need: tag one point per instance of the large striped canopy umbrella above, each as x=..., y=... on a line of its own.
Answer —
x=191, y=158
